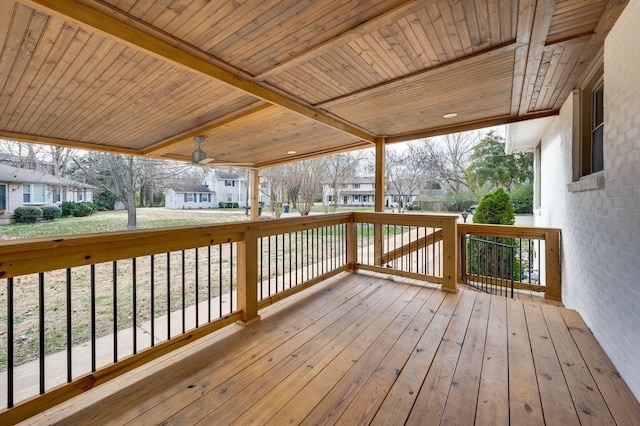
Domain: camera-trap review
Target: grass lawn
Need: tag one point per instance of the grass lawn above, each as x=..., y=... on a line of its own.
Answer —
x=112, y=221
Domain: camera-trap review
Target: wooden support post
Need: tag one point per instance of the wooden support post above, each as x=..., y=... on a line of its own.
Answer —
x=352, y=244
x=248, y=278
x=450, y=256
x=552, y=265
x=255, y=188
x=379, y=198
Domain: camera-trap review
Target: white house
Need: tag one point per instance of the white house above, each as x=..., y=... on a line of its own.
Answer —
x=185, y=196
x=587, y=182
x=359, y=191
x=228, y=187
x=23, y=187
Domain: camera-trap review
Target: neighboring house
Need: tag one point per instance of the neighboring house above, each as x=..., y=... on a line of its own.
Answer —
x=431, y=200
x=23, y=187
x=228, y=187
x=189, y=196
x=359, y=191
x=587, y=183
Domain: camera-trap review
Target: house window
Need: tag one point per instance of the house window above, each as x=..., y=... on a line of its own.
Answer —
x=356, y=186
x=188, y=197
x=33, y=193
x=229, y=183
x=229, y=198
x=81, y=196
x=588, y=131
x=205, y=198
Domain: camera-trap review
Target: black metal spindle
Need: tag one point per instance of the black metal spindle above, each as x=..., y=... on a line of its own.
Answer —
x=10, y=343
x=184, y=286
x=277, y=255
x=41, y=326
x=197, y=267
x=152, y=292
x=69, y=333
x=261, y=268
x=115, y=311
x=168, y=296
x=290, y=262
x=269, y=266
x=220, y=279
x=93, y=317
x=134, y=313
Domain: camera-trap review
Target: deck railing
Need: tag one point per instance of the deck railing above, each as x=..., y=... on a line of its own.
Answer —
x=536, y=254
x=81, y=310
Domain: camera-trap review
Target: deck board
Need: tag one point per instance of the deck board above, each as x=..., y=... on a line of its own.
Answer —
x=364, y=349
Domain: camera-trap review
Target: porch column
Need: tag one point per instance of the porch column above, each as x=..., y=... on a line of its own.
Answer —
x=248, y=277
x=379, y=197
x=255, y=187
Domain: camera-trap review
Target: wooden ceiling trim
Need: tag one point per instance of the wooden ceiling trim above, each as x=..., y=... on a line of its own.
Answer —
x=542, y=21
x=238, y=119
x=526, y=12
x=37, y=139
x=355, y=33
x=125, y=33
x=467, y=126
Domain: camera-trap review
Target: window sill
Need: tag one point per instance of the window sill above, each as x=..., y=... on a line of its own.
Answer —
x=587, y=183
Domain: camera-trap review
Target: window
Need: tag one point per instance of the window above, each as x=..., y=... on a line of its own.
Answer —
x=81, y=196
x=356, y=186
x=33, y=193
x=229, y=183
x=205, y=198
x=189, y=197
x=589, y=122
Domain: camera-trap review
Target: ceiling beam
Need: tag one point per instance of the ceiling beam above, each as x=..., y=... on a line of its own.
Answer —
x=541, y=23
x=526, y=12
x=25, y=137
x=121, y=28
x=467, y=126
x=245, y=118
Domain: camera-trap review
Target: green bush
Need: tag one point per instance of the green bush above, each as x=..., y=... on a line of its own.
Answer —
x=67, y=208
x=460, y=201
x=495, y=208
x=71, y=208
x=27, y=214
x=522, y=197
x=227, y=205
x=83, y=209
x=51, y=212
x=104, y=201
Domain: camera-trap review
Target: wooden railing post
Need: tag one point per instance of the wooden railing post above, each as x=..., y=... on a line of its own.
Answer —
x=552, y=265
x=248, y=277
x=450, y=260
x=377, y=244
x=352, y=244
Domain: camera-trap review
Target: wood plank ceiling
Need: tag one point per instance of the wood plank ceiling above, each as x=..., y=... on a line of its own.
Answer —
x=263, y=79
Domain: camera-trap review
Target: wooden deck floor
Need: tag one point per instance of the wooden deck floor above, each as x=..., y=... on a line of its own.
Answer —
x=364, y=349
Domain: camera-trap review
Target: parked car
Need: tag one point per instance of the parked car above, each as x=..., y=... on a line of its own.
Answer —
x=530, y=276
x=472, y=208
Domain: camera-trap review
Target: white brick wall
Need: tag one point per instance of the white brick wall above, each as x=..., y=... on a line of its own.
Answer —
x=601, y=227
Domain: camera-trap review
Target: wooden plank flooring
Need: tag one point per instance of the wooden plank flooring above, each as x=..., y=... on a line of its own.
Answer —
x=365, y=349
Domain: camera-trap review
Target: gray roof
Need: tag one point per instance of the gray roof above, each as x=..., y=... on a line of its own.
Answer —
x=227, y=175
x=189, y=187
x=17, y=175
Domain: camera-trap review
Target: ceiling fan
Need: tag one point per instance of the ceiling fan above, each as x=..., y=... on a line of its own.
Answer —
x=199, y=157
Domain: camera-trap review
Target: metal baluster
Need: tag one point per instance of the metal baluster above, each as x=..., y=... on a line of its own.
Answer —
x=69, y=334
x=197, y=288
x=115, y=311
x=168, y=296
x=153, y=301
x=93, y=317
x=10, y=342
x=135, y=305
x=42, y=328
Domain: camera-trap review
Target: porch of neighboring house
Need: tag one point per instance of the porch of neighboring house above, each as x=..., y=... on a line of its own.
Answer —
x=365, y=348
x=351, y=318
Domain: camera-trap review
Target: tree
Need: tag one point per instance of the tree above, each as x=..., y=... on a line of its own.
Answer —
x=457, y=149
x=310, y=175
x=408, y=170
x=123, y=176
x=495, y=208
x=490, y=165
x=341, y=168
x=275, y=177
